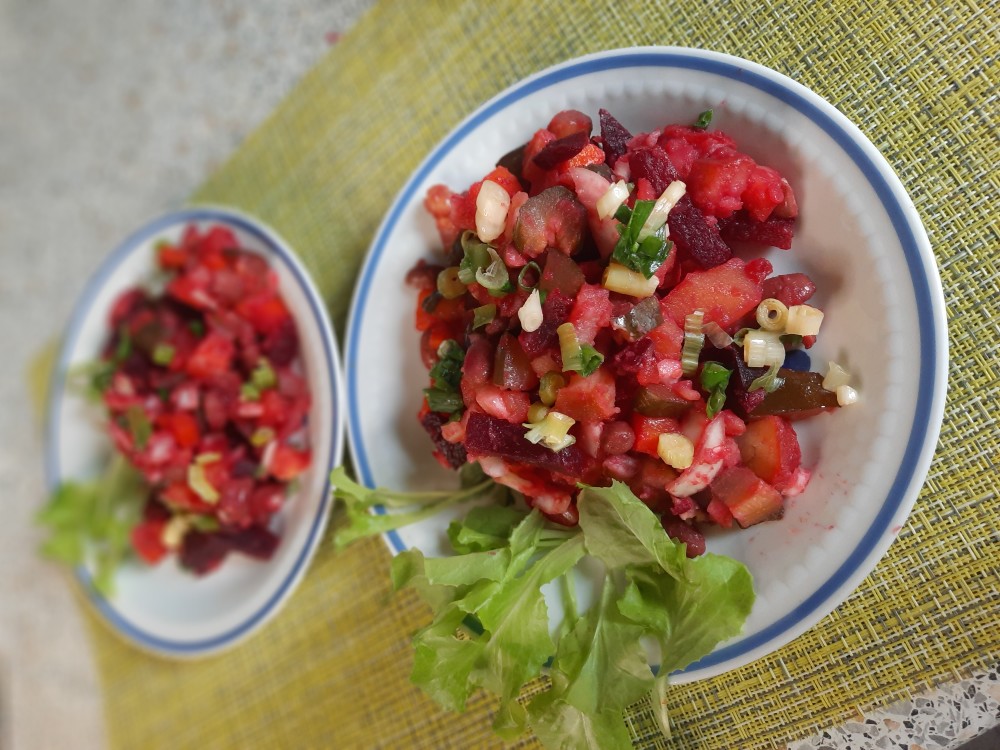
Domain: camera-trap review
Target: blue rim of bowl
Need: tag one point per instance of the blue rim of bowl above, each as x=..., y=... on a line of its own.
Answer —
x=933, y=343
x=57, y=387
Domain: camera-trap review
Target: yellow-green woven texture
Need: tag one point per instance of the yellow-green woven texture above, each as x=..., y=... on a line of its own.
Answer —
x=332, y=669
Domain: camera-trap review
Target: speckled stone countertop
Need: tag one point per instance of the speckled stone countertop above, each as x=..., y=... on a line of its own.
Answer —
x=109, y=114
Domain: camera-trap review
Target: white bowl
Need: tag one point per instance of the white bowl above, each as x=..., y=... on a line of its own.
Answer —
x=162, y=608
x=859, y=238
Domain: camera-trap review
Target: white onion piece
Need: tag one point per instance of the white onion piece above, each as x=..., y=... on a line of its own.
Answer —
x=492, y=205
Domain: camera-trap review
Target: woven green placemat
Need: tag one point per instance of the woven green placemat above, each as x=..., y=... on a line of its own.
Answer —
x=331, y=670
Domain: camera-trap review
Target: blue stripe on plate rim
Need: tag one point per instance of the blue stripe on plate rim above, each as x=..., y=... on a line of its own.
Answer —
x=142, y=638
x=929, y=298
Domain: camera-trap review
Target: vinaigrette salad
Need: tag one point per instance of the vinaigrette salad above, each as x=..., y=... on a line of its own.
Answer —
x=205, y=405
x=593, y=322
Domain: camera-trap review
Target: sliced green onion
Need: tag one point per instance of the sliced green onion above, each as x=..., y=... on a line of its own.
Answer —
x=261, y=437
x=200, y=484
x=249, y=392
x=204, y=523
x=263, y=376
x=609, y=203
x=836, y=376
x=173, y=533
x=804, y=320
x=483, y=315
x=717, y=335
x=694, y=340
x=704, y=120
x=446, y=402
x=449, y=284
x=763, y=349
x=520, y=277
x=769, y=381
x=476, y=256
x=577, y=357
x=447, y=372
x=495, y=277
x=740, y=335
x=552, y=431
x=640, y=253
x=163, y=354
x=124, y=347
x=444, y=396
x=715, y=380
x=772, y=315
x=139, y=426
x=661, y=209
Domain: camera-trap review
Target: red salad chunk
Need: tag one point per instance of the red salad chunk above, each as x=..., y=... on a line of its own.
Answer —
x=206, y=398
x=615, y=326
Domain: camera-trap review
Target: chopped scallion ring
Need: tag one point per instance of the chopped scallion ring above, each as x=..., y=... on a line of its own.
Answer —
x=449, y=283
x=532, y=266
x=772, y=315
x=495, y=276
x=694, y=340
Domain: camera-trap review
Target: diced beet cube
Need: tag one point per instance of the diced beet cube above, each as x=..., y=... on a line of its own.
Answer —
x=695, y=237
x=256, y=541
x=614, y=136
x=740, y=227
x=653, y=165
x=202, y=552
x=488, y=436
x=557, y=151
x=635, y=356
x=749, y=498
x=281, y=345
x=453, y=453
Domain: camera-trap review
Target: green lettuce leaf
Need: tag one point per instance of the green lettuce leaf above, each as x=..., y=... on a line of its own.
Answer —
x=621, y=530
x=443, y=665
x=690, y=617
x=91, y=522
x=357, y=500
x=561, y=726
x=484, y=528
x=602, y=661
